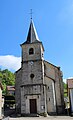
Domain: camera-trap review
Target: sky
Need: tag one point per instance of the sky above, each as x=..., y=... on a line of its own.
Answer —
x=53, y=20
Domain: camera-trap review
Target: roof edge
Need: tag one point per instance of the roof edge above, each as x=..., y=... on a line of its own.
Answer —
x=52, y=64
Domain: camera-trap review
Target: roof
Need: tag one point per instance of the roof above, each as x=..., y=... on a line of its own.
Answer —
x=32, y=36
x=70, y=83
x=52, y=64
x=11, y=88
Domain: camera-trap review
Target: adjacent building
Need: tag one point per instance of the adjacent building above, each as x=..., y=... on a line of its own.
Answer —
x=70, y=93
x=10, y=90
x=39, y=84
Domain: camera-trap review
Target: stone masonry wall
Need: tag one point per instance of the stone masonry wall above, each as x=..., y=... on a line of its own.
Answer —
x=18, y=91
x=53, y=73
x=28, y=69
x=38, y=51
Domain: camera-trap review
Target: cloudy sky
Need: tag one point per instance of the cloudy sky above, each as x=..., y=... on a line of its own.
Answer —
x=53, y=20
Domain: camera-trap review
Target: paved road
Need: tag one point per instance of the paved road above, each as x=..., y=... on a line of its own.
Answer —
x=43, y=118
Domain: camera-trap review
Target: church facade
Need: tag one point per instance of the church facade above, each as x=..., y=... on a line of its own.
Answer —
x=39, y=84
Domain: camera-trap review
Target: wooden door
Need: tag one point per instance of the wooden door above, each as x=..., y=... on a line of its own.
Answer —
x=33, y=106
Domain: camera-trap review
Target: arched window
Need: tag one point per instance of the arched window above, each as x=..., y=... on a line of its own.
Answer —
x=31, y=51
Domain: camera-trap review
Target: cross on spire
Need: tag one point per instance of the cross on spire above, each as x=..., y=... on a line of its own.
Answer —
x=31, y=14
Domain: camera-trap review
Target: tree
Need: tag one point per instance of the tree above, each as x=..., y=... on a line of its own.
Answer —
x=65, y=89
x=6, y=78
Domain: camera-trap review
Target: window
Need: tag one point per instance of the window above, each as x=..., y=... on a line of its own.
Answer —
x=31, y=51
x=48, y=87
x=32, y=76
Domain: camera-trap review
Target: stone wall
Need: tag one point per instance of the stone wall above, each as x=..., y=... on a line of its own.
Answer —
x=38, y=52
x=50, y=94
x=18, y=90
x=28, y=69
x=33, y=92
x=53, y=73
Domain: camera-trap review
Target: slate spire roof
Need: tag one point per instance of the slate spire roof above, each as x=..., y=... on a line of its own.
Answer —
x=32, y=34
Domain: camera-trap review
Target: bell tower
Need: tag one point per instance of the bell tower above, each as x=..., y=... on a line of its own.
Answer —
x=32, y=57
x=32, y=48
x=32, y=72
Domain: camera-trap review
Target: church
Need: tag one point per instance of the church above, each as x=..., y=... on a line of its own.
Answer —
x=38, y=84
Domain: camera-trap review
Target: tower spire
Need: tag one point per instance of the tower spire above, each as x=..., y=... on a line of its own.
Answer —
x=32, y=34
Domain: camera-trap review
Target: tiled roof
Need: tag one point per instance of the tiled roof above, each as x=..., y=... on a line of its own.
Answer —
x=10, y=88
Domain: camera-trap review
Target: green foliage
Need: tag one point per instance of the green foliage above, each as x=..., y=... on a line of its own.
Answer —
x=65, y=85
x=65, y=89
x=6, y=78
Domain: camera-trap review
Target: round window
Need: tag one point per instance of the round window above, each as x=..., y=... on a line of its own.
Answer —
x=32, y=76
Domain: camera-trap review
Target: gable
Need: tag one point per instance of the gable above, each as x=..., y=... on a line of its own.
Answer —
x=50, y=70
